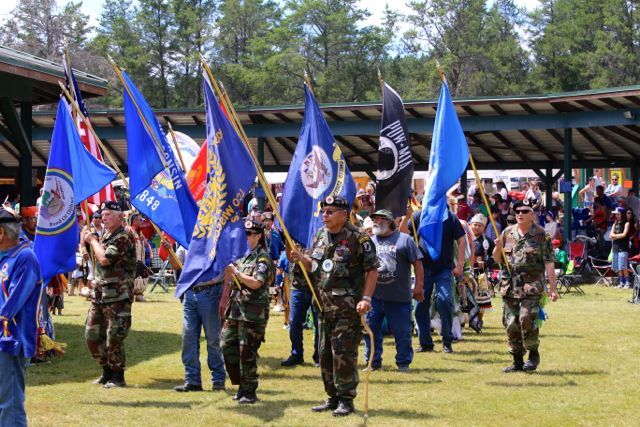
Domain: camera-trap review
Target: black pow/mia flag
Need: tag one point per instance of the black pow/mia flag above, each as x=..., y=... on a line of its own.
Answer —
x=395, y=166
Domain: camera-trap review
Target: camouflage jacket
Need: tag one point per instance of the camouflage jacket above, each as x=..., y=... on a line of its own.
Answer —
x=252, y=305
x=527, y=257
x=114, y=282
x=338, y=268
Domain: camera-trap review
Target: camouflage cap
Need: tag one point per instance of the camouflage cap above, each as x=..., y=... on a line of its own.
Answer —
x=383, y=213
x=335, y=201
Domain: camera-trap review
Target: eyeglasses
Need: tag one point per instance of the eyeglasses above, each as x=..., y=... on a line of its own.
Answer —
x=251, y=233
x=329, y=211
x=523, y=211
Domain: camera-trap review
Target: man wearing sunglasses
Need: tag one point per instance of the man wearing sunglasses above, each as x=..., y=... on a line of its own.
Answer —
x=529, y=255
x=344, y=270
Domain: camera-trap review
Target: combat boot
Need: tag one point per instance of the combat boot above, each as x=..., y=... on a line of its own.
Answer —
x=106, y=376
x=238, y=395
x=345, y=407
x=248, y=397
x=117, y=380
x=533, y=362
x=329, y=405
x=518, y=364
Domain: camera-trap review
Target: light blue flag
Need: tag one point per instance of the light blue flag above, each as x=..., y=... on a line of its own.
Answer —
x=317, y=170
x=448, y=161
x=160, y=193
x=73, y=175
x=219, y=236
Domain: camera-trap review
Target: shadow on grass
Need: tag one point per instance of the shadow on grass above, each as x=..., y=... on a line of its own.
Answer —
x=478, y=352
x=481, y=340
x=413, y=415
x=271, y=410
x=481, y=361
x=437, y=370
x=532, y=384
x=146, y=404
x=558, y=373
x=78, y=366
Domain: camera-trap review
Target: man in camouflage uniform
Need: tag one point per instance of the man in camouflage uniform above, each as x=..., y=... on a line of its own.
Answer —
x=344, y=268
x=109, y=317
x=247, y=314
x=529, y=254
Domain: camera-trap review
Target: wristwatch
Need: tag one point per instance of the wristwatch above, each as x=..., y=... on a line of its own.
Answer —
x=366, y=298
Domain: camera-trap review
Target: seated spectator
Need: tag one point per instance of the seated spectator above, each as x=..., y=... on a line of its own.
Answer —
x=614, y=190
x=562, y=260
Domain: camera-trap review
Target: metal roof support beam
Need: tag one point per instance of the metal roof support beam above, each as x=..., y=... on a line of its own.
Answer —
x=548, y=183
x=568, y=142
x=275, y=159
x=113, y=152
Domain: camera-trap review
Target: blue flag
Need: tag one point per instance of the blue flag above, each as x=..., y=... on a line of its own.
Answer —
x=317, y=170
x=219, y=237
x=73, y=175
x=448, y=161
x=160, y=193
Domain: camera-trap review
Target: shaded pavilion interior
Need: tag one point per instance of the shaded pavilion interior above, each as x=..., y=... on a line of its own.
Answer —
x=27, y=81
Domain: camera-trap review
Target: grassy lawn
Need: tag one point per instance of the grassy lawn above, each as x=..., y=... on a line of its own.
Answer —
x=589, y=375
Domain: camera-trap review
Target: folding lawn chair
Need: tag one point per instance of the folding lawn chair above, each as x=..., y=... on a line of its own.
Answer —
x=162, y=277
x=572, y=278
x=602, y=269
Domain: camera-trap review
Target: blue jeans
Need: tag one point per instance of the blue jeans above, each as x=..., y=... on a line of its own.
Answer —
x=200, y=310
x=398, y=316
x=299, y=302
x=12, y=411
x=444, y=304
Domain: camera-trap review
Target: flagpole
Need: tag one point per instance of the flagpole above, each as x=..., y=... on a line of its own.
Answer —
x=108, y=154
x=479, y=182
x=237, y=125
x=157, y=144
x=85, y=206
x=175, y=144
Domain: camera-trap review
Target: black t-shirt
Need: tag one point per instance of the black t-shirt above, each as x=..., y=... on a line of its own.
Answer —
x=451, y=231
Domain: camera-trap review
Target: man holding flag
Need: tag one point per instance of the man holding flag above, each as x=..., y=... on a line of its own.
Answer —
x=439, y=228
x=73, y=175
x=317, y=170
x=218, y=240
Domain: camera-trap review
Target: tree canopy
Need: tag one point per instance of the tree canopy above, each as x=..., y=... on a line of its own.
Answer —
x=260, y=49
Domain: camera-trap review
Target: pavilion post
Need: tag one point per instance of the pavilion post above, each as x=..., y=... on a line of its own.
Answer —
x=259, y=193
x=568, y=139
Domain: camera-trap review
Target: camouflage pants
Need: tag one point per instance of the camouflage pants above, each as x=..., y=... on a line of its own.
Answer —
x=339, y=340
x=106, y=328
x=520, y=317
x=240, y=343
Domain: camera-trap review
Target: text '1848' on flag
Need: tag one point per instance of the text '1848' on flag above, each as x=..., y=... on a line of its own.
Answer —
x=395, y=165
x=73, y=175
x=157, y=184
x=317, y=170
x=219, y=236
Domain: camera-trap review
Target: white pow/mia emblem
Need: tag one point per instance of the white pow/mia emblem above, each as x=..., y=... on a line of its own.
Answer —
x=316, y=172
x=262, y=268
x=248, y=224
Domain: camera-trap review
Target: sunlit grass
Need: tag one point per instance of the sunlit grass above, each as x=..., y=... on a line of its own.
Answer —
x=589, y=375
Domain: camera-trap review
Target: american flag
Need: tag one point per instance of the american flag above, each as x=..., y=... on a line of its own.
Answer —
x=87, y=138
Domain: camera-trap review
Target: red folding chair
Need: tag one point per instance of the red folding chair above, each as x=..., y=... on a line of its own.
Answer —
x=577, y=253
x=602, y=269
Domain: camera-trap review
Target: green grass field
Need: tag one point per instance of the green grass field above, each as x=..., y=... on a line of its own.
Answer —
x=589, y=375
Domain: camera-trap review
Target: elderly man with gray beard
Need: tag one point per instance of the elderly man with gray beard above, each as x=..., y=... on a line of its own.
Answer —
x=392, y=298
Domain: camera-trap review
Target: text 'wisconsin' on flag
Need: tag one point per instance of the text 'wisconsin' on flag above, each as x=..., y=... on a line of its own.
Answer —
x=317, y=170
x=447, y=162
x=219, y=236
x=157, y=183
x=73, y=175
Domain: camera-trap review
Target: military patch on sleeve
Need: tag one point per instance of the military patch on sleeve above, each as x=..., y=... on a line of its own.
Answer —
x=262, y=268
x=366, y=246
x=363, y=239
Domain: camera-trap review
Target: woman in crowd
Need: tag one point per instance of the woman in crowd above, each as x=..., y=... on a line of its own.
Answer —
x=621, y=231
x=588, y=193
x=247, y=313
